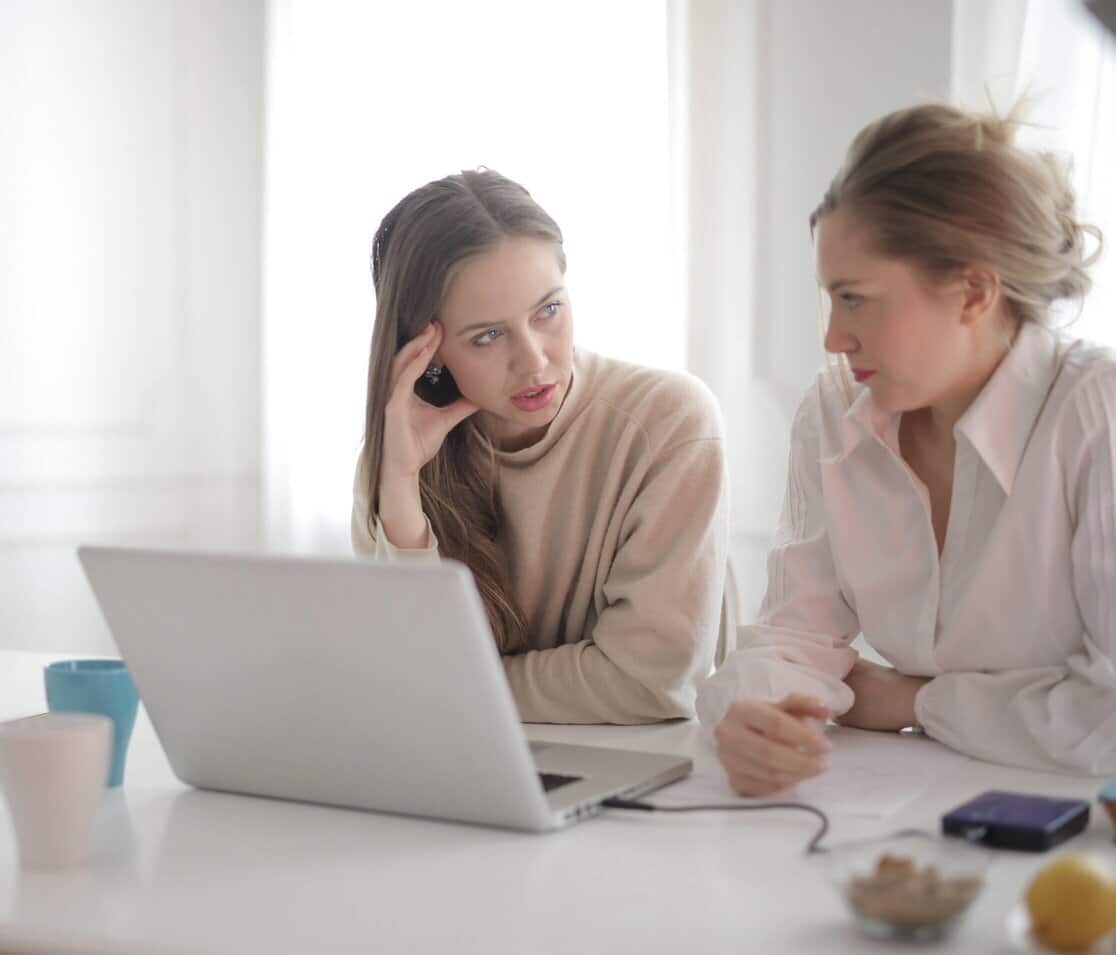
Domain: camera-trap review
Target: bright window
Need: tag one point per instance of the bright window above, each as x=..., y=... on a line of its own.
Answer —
x=368, y=101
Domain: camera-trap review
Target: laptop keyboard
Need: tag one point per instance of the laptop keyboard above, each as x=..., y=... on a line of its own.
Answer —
x=555, y=780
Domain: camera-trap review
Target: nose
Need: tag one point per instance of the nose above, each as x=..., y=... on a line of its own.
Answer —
x=529, y=355
x=838, y=341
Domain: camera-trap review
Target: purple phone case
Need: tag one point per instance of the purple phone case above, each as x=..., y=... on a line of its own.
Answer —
x=1017, y=820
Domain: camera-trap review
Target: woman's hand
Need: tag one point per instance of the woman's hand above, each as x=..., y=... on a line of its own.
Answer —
x=413, y=432
x=766, y=746
x=414, y=429
x=885, y=698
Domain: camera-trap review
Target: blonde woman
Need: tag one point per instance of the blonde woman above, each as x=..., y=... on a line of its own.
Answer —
x=956, y=503
x=587, y=496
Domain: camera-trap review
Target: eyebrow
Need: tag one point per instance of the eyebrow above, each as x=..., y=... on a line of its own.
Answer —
x=840, y=284
x=477, y=326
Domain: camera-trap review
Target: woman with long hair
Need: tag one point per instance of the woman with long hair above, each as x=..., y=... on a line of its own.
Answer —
x=587, y=496
x=952, y=487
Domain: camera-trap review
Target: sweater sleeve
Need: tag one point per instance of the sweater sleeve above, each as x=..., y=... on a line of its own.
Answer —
x=368, y=537
x=1060, y=718
x=658, y=631
x=800, y=643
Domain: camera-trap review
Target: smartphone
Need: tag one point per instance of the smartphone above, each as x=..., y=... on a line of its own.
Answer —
x=1007, y=820
x=441, y=393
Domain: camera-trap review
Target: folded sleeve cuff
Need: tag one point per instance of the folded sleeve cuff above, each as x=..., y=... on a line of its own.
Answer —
x=386, y=550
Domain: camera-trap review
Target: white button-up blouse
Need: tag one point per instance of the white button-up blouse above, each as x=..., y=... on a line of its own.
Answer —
x=1015, y=622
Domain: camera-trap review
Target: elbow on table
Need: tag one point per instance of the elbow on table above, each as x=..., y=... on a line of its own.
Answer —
x=678, y=704
x=1075, y=732
x=658, y=705
x=1091, y=757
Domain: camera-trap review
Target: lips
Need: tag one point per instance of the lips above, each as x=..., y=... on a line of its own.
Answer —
x=862, y=374
x=534, y=399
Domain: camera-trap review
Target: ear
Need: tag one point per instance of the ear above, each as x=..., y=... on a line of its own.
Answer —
x=980, y=293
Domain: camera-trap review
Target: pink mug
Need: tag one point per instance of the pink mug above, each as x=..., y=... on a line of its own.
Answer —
x=52, y=769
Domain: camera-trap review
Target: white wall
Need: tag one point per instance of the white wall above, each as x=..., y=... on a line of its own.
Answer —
x=130, y=336
x=130, y=153
x=779, y=89
x=369, y=99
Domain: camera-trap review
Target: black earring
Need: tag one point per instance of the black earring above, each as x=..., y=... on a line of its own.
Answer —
x=433, y=374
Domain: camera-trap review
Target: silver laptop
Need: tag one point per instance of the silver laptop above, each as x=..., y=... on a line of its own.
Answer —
x=351, y=683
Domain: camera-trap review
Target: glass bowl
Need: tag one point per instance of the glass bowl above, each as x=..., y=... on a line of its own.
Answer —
x=912, y=886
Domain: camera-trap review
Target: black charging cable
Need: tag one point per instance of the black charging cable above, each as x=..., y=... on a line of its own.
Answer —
x=973, y=835
x=811, y=847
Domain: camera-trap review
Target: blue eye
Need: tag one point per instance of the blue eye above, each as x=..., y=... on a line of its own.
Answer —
x=549, y=310
x=486, y=338
x=851, y=299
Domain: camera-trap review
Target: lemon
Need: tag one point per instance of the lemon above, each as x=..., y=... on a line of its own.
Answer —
x=1072, y=902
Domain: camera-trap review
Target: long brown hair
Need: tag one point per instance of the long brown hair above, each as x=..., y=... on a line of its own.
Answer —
x=417, y=250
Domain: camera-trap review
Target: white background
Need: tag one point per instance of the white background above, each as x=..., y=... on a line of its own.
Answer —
x=189, y=191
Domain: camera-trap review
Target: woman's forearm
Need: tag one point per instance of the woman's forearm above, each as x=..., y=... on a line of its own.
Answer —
x=400, y=512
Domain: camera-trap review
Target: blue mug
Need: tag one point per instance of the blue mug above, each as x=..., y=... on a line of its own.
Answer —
x=96, y=686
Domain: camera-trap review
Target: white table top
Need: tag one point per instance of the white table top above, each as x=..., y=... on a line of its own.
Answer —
x=191, y=871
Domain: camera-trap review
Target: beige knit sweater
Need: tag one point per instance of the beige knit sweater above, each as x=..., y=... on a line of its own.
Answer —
x=617, y=540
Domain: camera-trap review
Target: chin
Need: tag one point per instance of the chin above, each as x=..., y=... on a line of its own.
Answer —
x=899, y=407
x=534, y=419
x=884, y=405
x=887, y=402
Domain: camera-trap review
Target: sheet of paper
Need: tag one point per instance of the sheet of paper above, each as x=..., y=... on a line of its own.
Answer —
x=870, y=774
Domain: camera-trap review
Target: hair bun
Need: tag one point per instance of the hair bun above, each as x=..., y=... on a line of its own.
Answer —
x=995, y=129
x=945, y=188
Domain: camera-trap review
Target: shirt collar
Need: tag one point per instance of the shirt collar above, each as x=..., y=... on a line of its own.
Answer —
x=999, y=422
x=865, y=419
